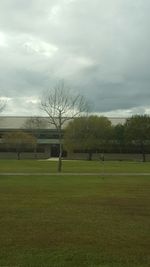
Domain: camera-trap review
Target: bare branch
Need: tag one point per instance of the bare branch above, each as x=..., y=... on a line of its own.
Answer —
x=60, y=101
x=34, y=123
x=2, y=105
x=61, y=105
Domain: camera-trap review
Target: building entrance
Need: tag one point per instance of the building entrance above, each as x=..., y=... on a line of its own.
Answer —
x=55, y=150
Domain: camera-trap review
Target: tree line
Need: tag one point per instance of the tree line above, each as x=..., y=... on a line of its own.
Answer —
x=93, y=134
x=88, y=134
x=77, y=131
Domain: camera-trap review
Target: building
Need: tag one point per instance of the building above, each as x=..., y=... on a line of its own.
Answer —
x=46, y=134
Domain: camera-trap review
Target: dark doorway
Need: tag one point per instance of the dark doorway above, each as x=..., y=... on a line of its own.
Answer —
x=55, y=150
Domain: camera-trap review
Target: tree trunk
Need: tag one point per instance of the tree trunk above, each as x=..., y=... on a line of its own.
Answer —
x=143, y=153
x=144, y=157
x=18, y=155
x=90, y=155
x=102, y=157
x=60, y=142
x=120, y=149
x=35, y=152
x=60, y=157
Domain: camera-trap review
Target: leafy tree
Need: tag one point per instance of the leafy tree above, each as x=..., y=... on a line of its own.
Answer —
x=61, y=105
x=88, y=134
x=19, y=141
x=137, y=131
x=119, y=136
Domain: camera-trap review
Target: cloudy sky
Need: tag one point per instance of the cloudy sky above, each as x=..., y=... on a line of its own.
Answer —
x=101, y=48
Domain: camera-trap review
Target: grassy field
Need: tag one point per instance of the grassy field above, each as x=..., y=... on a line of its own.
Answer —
x=45, y=166
x=74, y=221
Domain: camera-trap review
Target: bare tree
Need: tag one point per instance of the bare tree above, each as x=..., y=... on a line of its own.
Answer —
x=2, y=105
x=61, y=105
x=34, y=125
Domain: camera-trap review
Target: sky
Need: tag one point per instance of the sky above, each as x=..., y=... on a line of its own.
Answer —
x=100, y=48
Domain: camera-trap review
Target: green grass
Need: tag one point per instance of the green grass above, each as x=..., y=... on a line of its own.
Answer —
x=37, y=166
x=74, y=221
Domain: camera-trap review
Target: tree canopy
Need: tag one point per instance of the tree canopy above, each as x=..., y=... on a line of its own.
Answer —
x=119, y=136
x=137, y=131
x=88, y=133
x=19, y=141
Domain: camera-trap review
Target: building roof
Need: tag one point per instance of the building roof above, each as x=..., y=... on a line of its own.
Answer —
x=20, y=122
x=117, y=120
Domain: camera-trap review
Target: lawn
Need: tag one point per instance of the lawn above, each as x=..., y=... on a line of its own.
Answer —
x=74, y=221
x=73, y=166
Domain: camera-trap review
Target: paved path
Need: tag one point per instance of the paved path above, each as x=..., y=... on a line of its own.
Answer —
x=73, y=174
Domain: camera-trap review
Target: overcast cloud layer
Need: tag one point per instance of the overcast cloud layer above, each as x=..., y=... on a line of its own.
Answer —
x=99, y=47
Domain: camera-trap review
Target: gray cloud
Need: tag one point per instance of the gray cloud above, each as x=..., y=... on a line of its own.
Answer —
x=101, y=49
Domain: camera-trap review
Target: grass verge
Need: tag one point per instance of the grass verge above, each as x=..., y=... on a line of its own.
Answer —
x=79, y=166
x=74, y=221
